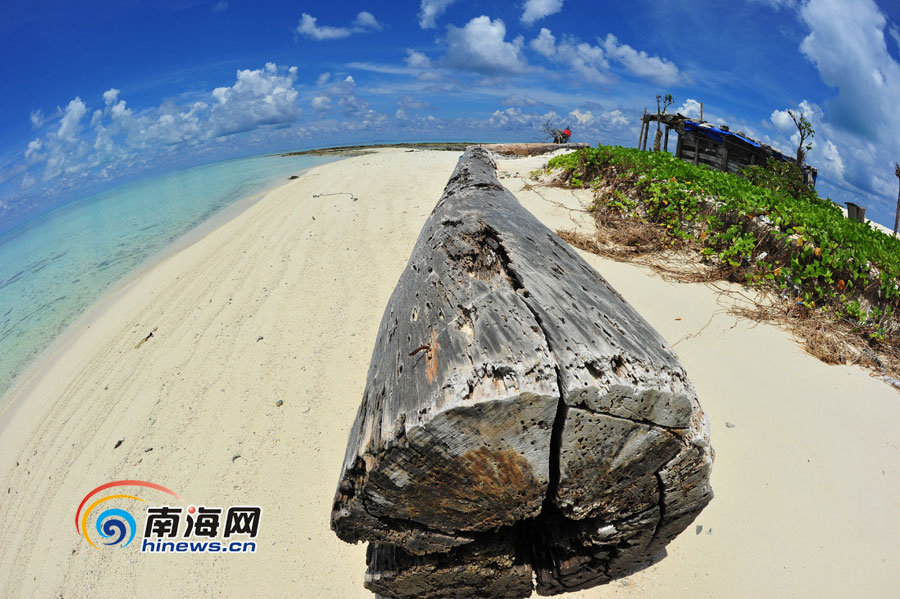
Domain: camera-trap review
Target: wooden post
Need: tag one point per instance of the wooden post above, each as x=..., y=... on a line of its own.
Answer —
x=666, y=143
x=724, y=158
x=701, y=112
x=897, y=218
x=679, y=145
x=696, y=147
x=518, y=415
x=646, y=134
x=643, y=124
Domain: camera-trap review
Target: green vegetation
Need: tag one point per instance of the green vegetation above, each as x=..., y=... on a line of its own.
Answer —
x=766, y=228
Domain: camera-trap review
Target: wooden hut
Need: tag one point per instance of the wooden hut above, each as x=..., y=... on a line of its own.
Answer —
x=700, y=142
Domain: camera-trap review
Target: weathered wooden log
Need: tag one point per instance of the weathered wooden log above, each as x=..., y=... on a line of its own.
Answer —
x=531, y=149
x=495, y=566
x=512, y=391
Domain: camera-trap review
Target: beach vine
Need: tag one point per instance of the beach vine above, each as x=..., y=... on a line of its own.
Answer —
x=764, y=228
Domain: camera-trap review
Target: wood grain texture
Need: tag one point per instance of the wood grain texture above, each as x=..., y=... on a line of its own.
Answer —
x=516, y=405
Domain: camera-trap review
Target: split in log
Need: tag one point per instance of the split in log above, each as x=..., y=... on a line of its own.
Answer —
x=517, y=412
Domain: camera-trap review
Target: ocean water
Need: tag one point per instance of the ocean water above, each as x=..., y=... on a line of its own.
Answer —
x=55, y=266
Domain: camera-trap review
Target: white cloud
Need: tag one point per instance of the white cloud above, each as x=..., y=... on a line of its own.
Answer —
x=535, y=10
x=28, y=181
x=33, y=151
x=417, y=60
x=606, y=119
x=220, y=6
x=659, y=70
x=615, y=118
x=431, y=10
x=347, y=99
x=834, y=164
x=321, y=104
x=690, y=108
x=309, y=27
x=70, y=124
x=847, y=43
x=365, y=20
x=514, y=117
x=111, y=95
x=592, y=62
x=587, y=61
x=895, y=33
x=258, y=97
x=408, y=102
x=580, y=117
x=480, y=46
x=520, y=100
x=783, y=122
x=37, y=118
x=777, y=4
x=323, y=79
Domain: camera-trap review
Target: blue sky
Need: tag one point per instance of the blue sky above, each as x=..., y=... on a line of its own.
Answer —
x=99, y=92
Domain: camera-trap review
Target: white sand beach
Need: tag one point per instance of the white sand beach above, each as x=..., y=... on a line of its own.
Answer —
x=283, y=303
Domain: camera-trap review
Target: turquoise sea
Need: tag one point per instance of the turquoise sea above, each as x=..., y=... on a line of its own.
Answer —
x=55, y=266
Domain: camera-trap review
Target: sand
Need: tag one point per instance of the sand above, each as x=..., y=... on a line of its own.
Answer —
x=283, y=303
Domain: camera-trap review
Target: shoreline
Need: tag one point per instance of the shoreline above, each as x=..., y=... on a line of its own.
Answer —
x=283, y=302
x=24, y=382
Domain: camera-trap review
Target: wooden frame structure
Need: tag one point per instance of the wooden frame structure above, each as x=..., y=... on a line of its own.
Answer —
x=700, y=142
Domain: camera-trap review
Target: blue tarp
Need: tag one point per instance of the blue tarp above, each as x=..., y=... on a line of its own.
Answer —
x=717, y=134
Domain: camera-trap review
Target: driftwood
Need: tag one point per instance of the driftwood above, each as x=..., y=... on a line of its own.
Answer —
x=519, y=416
x=532, y=149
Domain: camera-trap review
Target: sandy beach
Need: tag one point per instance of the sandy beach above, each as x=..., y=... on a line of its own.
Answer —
x=282, y=304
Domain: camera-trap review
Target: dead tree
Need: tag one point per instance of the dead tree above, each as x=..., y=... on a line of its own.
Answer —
x=804, y=128
x=519, y=416
x=660, y=110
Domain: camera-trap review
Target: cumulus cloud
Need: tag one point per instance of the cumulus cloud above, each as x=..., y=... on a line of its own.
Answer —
x=480, y=46
x=220, y=6
x=690, y=108
x=321, y=104
x=309, y=27
x=535, y=10
x=417, y=60
x=37, y=119
x=587, y=61
x=257, y=98
x=847, y=44
x=592, y=63
x=408, y=102
x=514, y=117
x=606, y=119
x=659, y=70
x=430, y=10
x=366, y=21
x=70, y=123
x=32, y=153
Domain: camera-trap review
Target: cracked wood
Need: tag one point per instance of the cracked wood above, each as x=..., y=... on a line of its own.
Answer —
x=513, y=394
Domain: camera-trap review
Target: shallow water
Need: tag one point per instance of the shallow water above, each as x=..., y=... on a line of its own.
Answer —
x=55, y=266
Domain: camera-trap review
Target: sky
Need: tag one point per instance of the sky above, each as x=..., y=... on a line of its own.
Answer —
x=97, y=93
